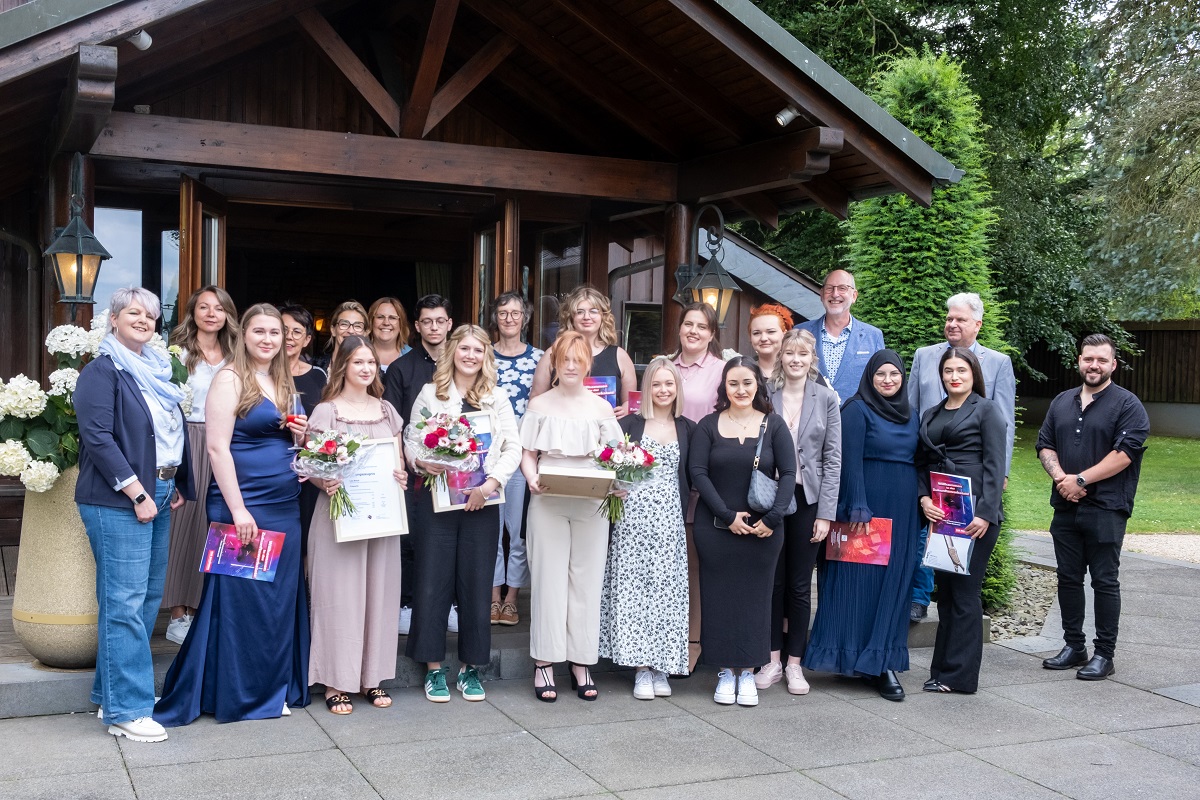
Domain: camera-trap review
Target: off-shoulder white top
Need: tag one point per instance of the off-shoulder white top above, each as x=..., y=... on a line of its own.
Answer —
x=567, y=441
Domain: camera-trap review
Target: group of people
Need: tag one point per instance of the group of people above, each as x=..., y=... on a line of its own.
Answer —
x=757, y=458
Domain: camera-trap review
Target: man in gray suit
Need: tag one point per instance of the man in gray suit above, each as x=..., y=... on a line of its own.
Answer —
x=964, y=318
x=844, y=344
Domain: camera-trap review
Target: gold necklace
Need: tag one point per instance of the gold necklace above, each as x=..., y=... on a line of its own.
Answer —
x=744, y=426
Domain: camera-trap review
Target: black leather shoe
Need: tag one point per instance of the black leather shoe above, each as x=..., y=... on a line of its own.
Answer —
x=918, y=612
x=1097, y=669
x=889, y=686
x=1067, y=657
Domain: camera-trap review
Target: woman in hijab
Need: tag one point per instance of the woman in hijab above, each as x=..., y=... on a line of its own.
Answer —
x=861, y=627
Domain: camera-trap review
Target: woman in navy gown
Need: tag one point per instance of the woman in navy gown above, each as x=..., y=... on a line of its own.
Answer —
x=861, y=627
x=246, y=654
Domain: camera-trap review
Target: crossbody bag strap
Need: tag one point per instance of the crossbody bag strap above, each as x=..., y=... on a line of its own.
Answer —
x=762, y=434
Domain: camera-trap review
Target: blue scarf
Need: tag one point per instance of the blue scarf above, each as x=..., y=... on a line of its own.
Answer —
x=151, y=370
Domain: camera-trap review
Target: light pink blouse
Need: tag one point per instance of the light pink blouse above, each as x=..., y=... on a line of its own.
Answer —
x=700, y=382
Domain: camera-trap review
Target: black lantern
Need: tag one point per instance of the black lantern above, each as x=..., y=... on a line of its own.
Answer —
x=76, y=253
x=710, y=284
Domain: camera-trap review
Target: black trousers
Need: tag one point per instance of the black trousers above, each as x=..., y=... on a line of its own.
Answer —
x=1089, y=539
x=792, y=596
x=958, y=648
x=455, y=555
x=408, y=564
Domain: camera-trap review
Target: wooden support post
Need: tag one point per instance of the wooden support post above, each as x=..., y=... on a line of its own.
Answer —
x=509, y=265
x=679, y=249
x=87, y=101
x=598, y=237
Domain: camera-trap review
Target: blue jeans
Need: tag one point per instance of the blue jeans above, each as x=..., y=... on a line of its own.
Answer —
x=517, y=573
x=131, y=564
x=922, y=581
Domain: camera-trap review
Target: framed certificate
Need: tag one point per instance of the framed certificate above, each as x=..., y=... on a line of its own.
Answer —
x=378, y=500
x=451, y=494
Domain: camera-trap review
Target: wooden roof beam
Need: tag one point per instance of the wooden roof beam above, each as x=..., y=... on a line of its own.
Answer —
x=828, y=194
x=650, y=56
x=463, y=82
x=758, y=167
x=342, y=58
x=437, y=37
x=590, y=81
x=190, y=142
x=759, y=206
x=812, y=99
x=87, y=101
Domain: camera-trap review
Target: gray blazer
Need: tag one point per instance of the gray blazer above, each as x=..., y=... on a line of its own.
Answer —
x=925, y=389
x=818, y=446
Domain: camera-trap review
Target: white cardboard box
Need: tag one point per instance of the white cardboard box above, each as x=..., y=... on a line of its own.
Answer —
x=576, y=481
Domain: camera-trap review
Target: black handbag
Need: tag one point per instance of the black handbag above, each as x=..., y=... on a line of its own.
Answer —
x=763, y=489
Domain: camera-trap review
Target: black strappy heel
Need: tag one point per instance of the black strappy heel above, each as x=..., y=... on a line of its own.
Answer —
x=547, y=693
x=582, y=689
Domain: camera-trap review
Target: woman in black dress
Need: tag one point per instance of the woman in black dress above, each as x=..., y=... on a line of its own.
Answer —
x=298, y=333
x=737, y=550
x=963, y=435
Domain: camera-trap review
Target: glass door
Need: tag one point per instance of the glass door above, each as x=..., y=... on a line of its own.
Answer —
x=202, y=220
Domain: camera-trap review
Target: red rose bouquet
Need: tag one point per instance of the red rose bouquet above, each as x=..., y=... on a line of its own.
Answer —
x=631, y=462
x=330, y=454
x=444, y=439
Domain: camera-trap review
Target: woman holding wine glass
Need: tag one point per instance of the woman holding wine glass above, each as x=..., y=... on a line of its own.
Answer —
x=209, y=336
x=298, y=333
x=389, y=330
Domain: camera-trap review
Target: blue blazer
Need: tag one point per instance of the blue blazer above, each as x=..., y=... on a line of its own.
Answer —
x=865, y=341
x=116, y=438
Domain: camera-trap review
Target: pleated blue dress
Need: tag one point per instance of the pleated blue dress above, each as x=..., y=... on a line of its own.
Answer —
x=246, y=653
x=861, y=628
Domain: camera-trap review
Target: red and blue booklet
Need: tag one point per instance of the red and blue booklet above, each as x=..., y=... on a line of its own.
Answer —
x=949, y=549
x=870, y=546
x=604, y=386
x=224, y=553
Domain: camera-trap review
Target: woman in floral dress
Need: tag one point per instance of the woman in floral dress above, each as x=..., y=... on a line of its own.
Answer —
x=644, y=608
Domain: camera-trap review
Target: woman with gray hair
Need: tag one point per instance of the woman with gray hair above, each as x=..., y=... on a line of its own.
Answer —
x=133, y=471
x=644, y=607
x=516, y=361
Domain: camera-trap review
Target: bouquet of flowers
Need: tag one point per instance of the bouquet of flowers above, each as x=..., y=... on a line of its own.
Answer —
x=444, y=439
x=326, y=455
x=631, y=462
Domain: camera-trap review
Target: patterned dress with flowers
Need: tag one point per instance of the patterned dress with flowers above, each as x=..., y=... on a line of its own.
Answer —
x=514, y=377
x=644, y=608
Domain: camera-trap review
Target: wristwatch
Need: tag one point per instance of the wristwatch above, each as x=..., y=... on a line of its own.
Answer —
x=1080, y=481
x=141, y=498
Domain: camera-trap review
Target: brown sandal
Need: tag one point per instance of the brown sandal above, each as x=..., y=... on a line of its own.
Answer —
x=375, y=695
x=339, y=699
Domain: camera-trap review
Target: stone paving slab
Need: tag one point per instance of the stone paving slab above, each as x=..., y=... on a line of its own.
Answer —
x=1105, y=706
x=1181, y=742
x=1098, y=768
x=615, y=703
x=1189, y=694
x=58, y=745
x=207, y=740
x=509, y=766
x=327, y=775
x=779, y=786
x=110, y=785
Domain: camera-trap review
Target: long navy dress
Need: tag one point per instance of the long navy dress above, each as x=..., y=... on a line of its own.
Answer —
x=246, y=653
x=862, y=613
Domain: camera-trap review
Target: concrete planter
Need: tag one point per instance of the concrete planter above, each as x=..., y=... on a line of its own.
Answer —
x=54, y=606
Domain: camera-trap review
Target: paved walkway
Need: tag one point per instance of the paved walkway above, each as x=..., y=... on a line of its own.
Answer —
x=1028, y=733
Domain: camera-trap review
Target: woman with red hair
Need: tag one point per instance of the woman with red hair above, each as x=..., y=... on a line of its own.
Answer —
x=768, y=323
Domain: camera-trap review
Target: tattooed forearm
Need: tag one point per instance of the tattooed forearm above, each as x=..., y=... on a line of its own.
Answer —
x=1049, y=459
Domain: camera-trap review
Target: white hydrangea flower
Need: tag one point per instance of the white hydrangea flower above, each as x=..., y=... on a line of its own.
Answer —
x=100, y=322
x=22, y=398
x=39, y=476
x=728, y=353
x=14, y=458
x=70, y=340
x=62, y=381
x=95, y=337
x=189, y=397
x=158, y=343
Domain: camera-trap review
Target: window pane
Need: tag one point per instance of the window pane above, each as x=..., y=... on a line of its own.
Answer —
x=120, y=231
x=560, y=265
x=170, y=279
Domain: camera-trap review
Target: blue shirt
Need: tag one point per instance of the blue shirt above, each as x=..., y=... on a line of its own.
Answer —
x=833, y=349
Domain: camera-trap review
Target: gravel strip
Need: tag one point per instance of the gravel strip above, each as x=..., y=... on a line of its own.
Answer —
x=1032, y=598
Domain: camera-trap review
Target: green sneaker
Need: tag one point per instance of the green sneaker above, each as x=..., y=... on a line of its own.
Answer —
x=469, y=685
x=435, y=686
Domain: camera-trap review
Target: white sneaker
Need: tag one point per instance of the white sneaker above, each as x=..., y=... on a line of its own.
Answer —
x=768, y=675
x=405, y=620
x=747, y=692
x=452, y=620
x=142, y=729
x=177, y=629
x=726, y=693
x=643, y=684
x=795, y=679
x=662, y=688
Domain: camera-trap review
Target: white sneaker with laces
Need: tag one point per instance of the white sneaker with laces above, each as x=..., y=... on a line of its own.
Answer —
x=643, y=684
x=726, y=693
x=142, y=729
x=452, y=620
x=662, y=687
x=177, y=629
x=747, y=692
x=405, y=619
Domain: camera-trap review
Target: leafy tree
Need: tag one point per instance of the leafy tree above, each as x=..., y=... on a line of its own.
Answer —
x=907, y=259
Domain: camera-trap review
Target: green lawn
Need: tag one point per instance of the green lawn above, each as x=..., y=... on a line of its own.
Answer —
x=1168, y=496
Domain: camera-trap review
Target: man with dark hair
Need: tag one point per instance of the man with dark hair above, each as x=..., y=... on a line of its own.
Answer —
x=1091, y=445
x=401, y=385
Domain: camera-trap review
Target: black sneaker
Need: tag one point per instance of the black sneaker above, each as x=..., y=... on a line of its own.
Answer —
x=918, y=612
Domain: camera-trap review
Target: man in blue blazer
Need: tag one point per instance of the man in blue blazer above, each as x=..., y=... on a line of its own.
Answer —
x=844, y=344
x=964, y=319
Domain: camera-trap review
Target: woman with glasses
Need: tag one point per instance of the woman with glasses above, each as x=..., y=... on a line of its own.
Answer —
x=588, y=312
x=516, y=362
x=389, y=330
x=348, y=318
